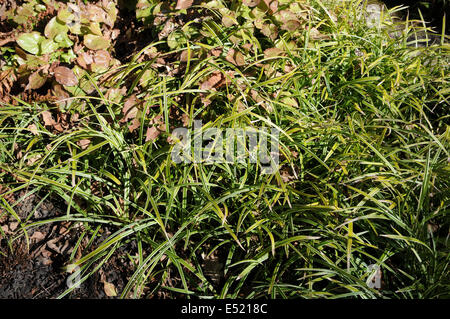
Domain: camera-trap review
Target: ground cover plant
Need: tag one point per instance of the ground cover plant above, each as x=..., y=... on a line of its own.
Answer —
x=90, y=93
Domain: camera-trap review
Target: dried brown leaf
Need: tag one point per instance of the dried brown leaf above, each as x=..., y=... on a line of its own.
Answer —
x=226, y=78
x=286, y=176
x=235, y=57
x=33, y=159
x=38, y=236
x=291, y=25
x=286, y=15
x=130, y=109
x=183, y=4
x=184, y=57
x=84, y=143
x=212, y=81
x=7, y=37
x=102, y=58
x=247, y=46
x=33, y=129
x=84, y=59
x=110, y=289
x=95, y=13
x=135, y=123
x=272, y=52
x=270, y=31
x=58, y=127
x=5, y=229
x=48, y=118
x=216, y=51
x=75, y=117
x=152, y=133
x=36, y=81
x=273, y=6
x=255, y=96
x=317, y=35
x=7, y=79
x=115, y=95
x=185, y=119
x=288, y=68
x=65, y=76
x=60, y=94
x=13, y=226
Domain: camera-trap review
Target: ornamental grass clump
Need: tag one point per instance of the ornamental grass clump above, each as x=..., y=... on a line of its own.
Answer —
x=357, y=207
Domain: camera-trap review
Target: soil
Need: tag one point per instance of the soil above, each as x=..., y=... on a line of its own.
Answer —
x=37, y=271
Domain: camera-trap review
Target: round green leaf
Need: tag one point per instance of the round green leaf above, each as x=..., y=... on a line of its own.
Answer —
x=147, y=77
x=54, y=28
x=65, y=16
x=75, y=27
x=175, y=40
x=96, y=42
x=40, y=7
x=30, y=42
x=48, y=46
x=23, y=13
x=94, y=28
x=68, y=56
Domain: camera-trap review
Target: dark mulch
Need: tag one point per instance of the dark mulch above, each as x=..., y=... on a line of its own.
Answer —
x=37, y=271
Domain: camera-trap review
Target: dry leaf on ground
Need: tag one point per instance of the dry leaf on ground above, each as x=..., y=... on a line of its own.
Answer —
x=110, y=289
x=152, y=134
x=84, y=143
x=35, y=81
x=102, y=58
x=65, y=76
x=48, y=118
x=183, y=4
x=154, y=131
x=216, y=51
x=38, y=236
x=33, y=129
x=235, y=57
x=215, y=78
x=130, y=110
x=272, y=52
